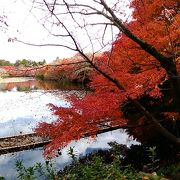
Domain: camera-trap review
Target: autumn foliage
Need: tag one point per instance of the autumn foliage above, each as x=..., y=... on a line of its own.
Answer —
x=137, y=72
x=13, y=71
x=74, y=69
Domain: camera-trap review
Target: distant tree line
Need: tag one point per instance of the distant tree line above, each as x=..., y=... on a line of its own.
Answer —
x=5, y=63
x=23, y=62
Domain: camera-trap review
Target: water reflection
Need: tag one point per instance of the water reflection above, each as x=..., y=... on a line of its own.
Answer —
x=21, y=111
x=30, y=84
x=81, y=148
x=24, y=104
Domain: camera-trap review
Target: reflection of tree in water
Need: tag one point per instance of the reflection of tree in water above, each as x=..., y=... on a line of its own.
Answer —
x=37, y=84
x=52, y=85
x=20, y=86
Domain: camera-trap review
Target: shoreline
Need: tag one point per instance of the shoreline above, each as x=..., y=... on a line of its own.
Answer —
x=15, y=79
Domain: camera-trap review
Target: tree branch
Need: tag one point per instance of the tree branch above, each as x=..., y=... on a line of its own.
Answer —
x=42, y=45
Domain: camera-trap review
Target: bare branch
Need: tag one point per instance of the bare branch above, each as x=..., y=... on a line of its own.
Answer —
x=42, y=45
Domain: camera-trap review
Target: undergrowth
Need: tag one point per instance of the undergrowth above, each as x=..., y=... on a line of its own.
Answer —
x=105, y=165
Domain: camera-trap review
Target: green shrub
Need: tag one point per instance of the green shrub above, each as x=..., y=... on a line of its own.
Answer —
x=96, y=168
x=105, y=165
x=39, y=76
x=172, y=171
x=46, y=171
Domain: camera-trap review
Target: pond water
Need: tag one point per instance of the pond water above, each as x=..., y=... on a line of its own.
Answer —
x=24, y=103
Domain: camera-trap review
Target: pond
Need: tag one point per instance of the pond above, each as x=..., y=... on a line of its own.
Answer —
x=24, y=103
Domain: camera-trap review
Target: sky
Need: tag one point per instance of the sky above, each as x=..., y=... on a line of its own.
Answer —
x=23, y=24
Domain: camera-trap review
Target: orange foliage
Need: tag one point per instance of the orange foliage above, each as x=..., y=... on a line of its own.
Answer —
x=19, y=71
x=72, y=69
x=140, y=74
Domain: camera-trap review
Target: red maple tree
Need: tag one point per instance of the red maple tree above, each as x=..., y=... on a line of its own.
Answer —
x=143, y=58
x=73, y=69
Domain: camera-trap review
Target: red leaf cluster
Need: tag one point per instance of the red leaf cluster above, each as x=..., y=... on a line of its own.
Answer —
x=139, y=73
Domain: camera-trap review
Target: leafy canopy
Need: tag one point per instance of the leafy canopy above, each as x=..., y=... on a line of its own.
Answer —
x=134, y=73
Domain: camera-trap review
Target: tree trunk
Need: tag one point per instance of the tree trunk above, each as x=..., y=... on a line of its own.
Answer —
x=157, y=125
